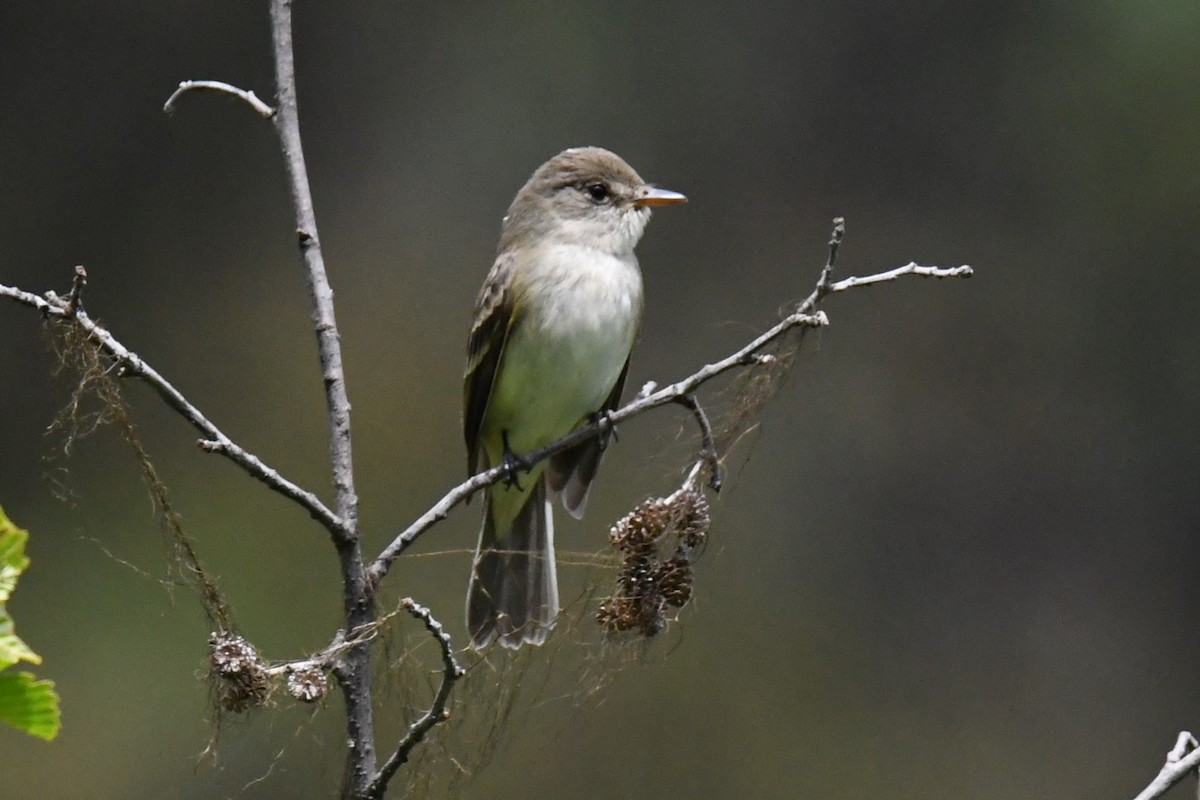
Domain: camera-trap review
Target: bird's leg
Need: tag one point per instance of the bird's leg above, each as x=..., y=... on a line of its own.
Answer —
x=512, y=463
x=605, y=415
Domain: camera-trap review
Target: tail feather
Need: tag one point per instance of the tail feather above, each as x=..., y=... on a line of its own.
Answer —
x=513, y=595
x=571, y=472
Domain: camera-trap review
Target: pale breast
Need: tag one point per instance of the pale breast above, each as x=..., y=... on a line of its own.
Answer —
x=579, y=291
x=579, y=313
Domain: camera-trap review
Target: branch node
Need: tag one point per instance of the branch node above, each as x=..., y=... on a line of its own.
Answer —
x=1182, y=760
x=835, y=241
x=1184, y=744
x=75, y=296
x=758, y=359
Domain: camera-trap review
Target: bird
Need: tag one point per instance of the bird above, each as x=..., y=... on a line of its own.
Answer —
x=549, y=349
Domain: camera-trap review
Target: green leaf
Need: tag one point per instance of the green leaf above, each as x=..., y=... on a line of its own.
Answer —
x=29, y=704
x=12, y=556
x=12, y=563
x=25, y=702
x=12, y=649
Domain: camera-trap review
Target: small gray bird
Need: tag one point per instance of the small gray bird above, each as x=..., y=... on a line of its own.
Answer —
x=549, y=348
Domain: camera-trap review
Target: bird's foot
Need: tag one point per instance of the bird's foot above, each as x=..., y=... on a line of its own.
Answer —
x=513, y=464
x=605, y=416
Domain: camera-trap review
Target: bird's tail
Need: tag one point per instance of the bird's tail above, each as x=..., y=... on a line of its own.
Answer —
x=513, y=595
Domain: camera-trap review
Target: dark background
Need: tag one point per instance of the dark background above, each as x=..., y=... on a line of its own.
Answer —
x=959, y=559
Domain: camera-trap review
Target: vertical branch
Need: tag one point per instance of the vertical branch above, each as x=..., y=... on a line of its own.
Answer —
x=353, y=672
x=287, y=123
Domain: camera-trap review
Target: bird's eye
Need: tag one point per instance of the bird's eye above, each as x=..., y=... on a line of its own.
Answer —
x=598, y=192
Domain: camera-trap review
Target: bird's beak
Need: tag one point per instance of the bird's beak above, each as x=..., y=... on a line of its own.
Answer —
x=653, y=196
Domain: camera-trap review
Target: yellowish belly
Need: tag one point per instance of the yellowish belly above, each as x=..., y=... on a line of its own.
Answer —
x=565, y=351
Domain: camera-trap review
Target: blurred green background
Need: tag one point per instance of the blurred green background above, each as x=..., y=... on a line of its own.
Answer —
x=957, y=561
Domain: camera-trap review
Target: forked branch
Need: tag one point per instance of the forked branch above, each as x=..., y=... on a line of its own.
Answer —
x=1182, y=760
x=451, y=672
x=69, y=309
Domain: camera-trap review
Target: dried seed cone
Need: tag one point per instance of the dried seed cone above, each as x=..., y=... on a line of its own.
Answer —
x=307, y=684
x=647, y=586
x=244, y=682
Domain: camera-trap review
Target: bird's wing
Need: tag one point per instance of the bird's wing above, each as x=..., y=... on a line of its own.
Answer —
x=493, y=319
x=571, y=472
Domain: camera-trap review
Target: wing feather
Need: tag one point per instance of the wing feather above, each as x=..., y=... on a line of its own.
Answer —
x=493, y=319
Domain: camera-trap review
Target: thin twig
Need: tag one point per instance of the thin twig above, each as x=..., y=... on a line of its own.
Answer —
x=342, y=641
x=1184, y=758
x=835, y=241
x=911, y=268
x=451, y=672
x=75, y=296
x=708, y=445
x=218, y=86
x=132, y=364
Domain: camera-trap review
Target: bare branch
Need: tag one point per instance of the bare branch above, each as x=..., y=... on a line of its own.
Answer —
x=911, y=268
x=804, y=315
x=708, y=445
x=437, y=712
x=130, y=363
x=32, y=300
x=668, y=394
x=219, y=86
x=1184, y=758
x=287, y=123
x=353, y=675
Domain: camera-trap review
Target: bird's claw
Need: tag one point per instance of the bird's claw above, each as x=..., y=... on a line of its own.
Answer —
x=513, y=464
x=605, y=416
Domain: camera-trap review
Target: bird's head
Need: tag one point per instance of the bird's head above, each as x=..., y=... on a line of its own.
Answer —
x=585, y=196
